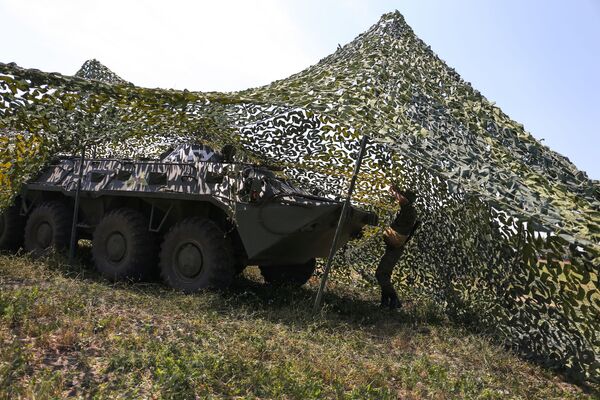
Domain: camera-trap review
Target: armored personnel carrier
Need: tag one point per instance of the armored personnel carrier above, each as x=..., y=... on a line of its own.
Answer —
x=197, y=214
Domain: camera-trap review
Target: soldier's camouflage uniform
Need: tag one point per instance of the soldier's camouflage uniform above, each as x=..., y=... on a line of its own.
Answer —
x=403, y=224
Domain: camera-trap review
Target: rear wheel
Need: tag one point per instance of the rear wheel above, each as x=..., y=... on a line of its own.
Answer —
x=293, y=275
x=122, y=246
x=48, y=227
x=12, y=228
x=196, y=254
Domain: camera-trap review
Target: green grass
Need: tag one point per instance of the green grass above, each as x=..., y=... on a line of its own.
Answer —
x=64, y=331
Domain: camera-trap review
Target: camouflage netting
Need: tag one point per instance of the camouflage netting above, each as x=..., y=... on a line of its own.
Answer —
x=511, y=229
x=93, y=69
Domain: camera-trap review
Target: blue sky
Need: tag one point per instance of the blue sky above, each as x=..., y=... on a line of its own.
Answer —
x=538, y=60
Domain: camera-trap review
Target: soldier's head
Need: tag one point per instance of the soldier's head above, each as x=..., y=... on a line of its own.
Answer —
x=404, y=196
x=228, y=151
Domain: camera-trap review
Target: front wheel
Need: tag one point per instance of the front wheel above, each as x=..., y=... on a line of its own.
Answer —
x=195, y=255
x=293, y=275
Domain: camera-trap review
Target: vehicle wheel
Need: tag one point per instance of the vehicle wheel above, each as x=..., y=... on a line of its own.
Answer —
x=48, y=226
x=122, y=246
x=293, y=275
x=196, y=254
x=12, y=228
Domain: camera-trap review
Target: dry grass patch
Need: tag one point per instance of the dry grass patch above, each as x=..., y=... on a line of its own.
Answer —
x=66, y=332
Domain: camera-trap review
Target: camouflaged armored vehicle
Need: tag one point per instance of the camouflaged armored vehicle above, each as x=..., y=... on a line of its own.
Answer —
x=196, y=213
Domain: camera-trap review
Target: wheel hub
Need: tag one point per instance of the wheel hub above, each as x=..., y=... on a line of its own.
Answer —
x=44, y=235
x=116, y=247
x=189, y=260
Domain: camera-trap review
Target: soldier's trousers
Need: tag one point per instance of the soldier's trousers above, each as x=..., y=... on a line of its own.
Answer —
x=385, y=268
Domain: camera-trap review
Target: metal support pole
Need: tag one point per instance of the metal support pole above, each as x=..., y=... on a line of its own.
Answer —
x=76, y=210
x=341, y=222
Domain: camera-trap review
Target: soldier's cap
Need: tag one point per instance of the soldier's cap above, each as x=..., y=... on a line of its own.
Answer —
x=410, y=195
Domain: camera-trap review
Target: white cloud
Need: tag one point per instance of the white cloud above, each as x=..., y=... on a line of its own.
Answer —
x=226, y=45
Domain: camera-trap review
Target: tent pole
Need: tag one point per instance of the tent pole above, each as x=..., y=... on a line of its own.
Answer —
x=76, y=210
x=340, y=224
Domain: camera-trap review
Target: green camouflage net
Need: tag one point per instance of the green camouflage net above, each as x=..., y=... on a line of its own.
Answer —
x=511, y=230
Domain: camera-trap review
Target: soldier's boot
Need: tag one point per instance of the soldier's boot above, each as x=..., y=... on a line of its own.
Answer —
x=394, y=302
x=385, y=300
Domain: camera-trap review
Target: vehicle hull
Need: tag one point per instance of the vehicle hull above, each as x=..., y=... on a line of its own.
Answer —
x=274, y=224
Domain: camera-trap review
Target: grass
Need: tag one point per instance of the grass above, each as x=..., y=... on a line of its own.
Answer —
x=65, y=332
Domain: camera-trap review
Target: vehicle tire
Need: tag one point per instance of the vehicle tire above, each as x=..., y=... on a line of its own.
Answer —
x=195, y=255
x=12, y=229
x=48, y=227
x=293, y=275
x=122, y=246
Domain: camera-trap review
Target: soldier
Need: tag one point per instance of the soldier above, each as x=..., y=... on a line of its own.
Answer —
x=395, y=237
